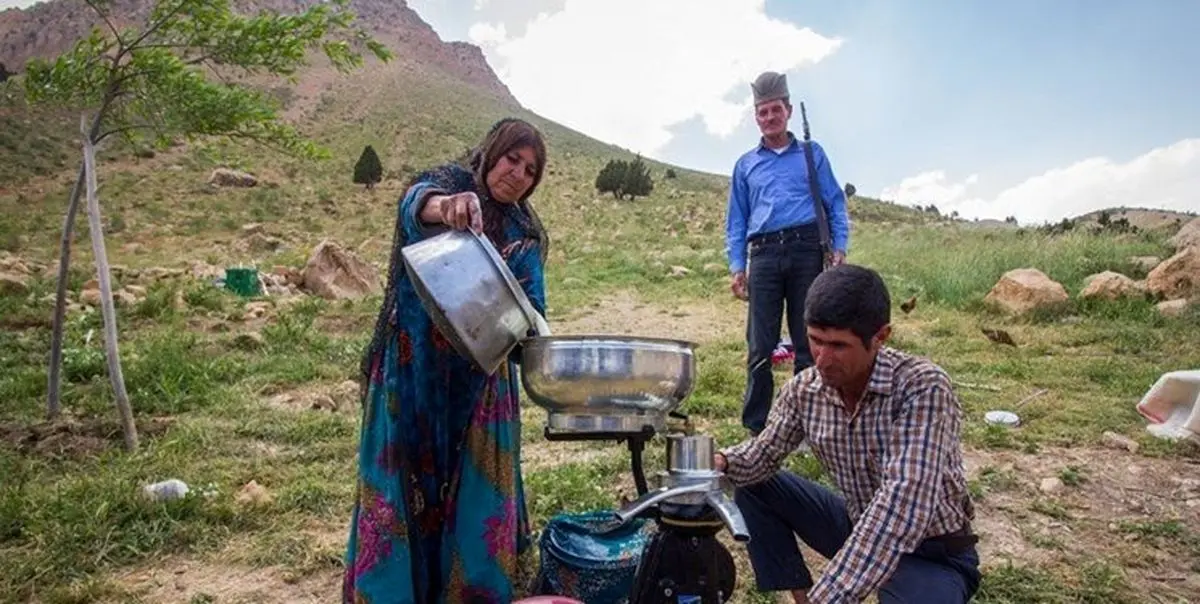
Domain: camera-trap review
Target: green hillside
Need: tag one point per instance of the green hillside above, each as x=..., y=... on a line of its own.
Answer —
x=229, y=391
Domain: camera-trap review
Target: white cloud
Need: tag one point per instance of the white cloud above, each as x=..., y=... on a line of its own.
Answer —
x=480, y=4
x=625, y=71
x=486, y=34
x=928, y=187
x=1167, y=178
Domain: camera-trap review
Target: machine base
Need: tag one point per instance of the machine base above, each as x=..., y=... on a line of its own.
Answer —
x=684, y=566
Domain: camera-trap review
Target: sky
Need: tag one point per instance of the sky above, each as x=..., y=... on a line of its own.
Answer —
x=1035, y=109
x=1039, y=110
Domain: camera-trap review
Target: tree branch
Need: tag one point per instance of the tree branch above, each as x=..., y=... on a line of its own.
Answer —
x=124, y=129
x=264, y=141
x=104, y=15
x=155, y=26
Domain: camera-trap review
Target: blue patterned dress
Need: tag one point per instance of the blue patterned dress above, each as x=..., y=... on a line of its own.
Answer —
x=440, y=513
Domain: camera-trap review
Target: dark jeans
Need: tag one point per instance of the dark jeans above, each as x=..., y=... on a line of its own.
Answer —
x=781, y=269
x=785, y=506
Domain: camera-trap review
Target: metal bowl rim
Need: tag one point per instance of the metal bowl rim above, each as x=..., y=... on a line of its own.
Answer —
x=602, y=338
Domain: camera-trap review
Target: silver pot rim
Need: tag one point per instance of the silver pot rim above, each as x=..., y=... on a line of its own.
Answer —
x=598, y=337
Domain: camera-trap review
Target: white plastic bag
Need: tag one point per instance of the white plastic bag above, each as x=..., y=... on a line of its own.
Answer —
x=1172, y=405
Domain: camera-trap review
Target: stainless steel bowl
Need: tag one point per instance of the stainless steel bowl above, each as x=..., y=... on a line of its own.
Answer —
x=471, y=295
x=600, y=375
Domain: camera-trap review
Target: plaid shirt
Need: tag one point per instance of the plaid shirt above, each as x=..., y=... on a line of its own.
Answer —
x=897, y=461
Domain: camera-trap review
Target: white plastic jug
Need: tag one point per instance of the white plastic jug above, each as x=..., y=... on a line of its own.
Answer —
x=1172, y=405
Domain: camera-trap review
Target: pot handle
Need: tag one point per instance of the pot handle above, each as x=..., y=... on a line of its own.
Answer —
x=541, y=327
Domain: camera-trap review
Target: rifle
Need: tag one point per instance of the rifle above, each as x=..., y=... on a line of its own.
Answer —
x=818, y=199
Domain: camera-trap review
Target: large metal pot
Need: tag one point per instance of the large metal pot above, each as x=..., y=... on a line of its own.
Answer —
x=607, y=378
x=472, y=296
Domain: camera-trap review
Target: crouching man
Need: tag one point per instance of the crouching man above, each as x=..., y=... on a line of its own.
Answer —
x=886, y=426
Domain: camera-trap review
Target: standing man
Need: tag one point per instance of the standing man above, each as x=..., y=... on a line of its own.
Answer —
x=774, y=219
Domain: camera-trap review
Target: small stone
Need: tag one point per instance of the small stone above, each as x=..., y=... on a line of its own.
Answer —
x=253, y=493
x=1172, y=308
x=249, y=341
x=90, y=297
x=12, y=284
x=323, y=402
x=1051, y=485
x=1117, y=441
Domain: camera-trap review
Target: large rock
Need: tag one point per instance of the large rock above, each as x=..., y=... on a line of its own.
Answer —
x=1110, y=285
x=1145, y=263
x=224, y=177
x=334, y=273
x=1173, y=308
x=1025, y=289
x=1188, y=236
x=1177, y=276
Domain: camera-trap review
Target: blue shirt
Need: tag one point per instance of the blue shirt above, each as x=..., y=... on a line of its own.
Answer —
x=769, y=192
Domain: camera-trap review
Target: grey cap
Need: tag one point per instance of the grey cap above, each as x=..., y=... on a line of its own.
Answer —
x=769, y=86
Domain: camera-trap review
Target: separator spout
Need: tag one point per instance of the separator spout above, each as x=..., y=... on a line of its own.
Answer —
x=730, y=515
x=636, y=507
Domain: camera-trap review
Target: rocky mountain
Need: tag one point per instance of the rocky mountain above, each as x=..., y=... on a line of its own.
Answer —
x=49, y=28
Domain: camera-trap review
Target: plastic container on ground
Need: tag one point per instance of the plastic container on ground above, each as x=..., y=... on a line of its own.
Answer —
x=166, y=490
x=243, y=281
x=1172, y=405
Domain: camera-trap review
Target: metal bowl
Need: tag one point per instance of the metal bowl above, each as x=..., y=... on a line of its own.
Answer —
x=607, y=375
x=471, y=296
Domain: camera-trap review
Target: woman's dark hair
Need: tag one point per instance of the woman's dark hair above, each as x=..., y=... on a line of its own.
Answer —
x=849, y=297
x=506, y=135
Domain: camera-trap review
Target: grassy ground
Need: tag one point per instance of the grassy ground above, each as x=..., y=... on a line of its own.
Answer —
x=221, y=410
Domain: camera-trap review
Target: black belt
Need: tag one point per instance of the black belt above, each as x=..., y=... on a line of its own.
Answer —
x=804, y=231
x=957, y=541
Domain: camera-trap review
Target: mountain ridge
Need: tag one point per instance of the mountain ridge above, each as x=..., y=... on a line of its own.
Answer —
x=50, y=28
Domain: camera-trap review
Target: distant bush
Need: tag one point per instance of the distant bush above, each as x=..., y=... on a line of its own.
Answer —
x=622, y=178
x=368, y=170
x=1104, y=225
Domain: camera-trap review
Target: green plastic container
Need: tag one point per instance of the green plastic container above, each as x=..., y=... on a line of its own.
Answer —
x=243, y=282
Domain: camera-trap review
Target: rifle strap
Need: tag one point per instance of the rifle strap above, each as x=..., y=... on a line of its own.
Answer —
x=818, y=203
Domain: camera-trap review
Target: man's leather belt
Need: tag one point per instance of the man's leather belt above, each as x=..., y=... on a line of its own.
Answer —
x=803, y=231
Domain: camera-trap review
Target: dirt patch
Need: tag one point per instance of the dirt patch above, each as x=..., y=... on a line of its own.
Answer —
x=625, y=313
x=339, y=398
x=184, y=581
x=229, y=578
x=1066, y=506
x=69, y=437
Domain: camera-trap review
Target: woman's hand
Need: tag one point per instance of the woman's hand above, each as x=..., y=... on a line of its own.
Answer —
x=459, y=211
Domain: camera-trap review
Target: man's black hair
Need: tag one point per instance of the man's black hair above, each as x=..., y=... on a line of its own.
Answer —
x=849, y=297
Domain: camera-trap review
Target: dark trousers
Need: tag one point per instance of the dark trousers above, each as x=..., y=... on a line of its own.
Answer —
x=787, y=506
x=782, y=267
